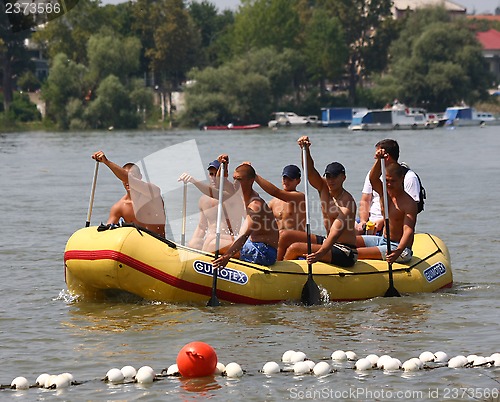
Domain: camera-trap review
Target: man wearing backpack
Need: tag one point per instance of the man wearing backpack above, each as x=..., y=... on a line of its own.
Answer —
x=369, y=205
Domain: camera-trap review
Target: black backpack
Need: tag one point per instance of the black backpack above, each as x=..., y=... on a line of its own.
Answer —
x=422, y=195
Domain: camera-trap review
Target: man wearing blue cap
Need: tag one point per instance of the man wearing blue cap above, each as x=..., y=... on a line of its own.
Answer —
x=288, y=204
x=339, y=214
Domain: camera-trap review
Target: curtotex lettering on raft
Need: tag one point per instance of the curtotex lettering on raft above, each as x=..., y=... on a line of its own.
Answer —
x=226, y=274
x=434, y=271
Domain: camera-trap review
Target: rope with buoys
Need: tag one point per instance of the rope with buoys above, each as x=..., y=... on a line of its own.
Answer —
x=198, y=359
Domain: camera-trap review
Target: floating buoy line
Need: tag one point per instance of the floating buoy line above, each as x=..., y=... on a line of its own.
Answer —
x=198, y=359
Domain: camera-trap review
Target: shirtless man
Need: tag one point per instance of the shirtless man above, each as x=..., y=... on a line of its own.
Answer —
x=204, y=236
x=402, y=215
x=258, y=238
x=339, y=212
x=369, y=205
x=288, y=205
x=142, y=204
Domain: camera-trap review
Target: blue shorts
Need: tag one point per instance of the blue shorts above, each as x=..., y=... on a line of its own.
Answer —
x=258, y=253
x=381, y=243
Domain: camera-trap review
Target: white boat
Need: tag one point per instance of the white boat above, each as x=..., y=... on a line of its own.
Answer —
x=338, y=116
x=286, y=119
x=460, y=116
x=398, y=117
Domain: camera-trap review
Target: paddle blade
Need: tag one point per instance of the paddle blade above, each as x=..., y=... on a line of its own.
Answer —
x=311, y=295
x=392, y=292
x=213, y=302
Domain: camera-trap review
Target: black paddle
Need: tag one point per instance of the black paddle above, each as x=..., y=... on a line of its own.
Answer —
x=391, y=291
x=214, y=301
x=92, y=193
x=310, y=292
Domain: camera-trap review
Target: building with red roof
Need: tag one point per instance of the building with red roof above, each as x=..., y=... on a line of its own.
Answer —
x=490, y=40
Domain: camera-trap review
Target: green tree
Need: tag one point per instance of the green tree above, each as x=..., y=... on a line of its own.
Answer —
x=111, y=54
x=435, y=65
x=361, y=21
x=170, y=40
x=69, y=34
x=66, y=81
x=112, y=106
x=239, y=91
x=324, y=48
x=264, y=23
x=213, y=28
x=15, y=28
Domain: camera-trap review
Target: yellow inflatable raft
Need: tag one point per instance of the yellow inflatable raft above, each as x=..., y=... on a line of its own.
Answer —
x=130, y=260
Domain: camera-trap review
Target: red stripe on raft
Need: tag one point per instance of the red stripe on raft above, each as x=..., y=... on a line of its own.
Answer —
x=160, y=275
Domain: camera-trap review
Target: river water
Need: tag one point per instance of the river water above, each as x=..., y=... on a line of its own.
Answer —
x=46, y=180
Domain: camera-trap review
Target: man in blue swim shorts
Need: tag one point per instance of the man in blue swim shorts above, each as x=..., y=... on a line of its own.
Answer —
x=258, y=237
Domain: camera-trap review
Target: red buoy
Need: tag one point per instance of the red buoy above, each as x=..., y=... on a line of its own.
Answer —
x=196, y=359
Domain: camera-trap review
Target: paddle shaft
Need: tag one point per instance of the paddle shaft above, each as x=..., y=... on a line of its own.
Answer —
x=214, y=301
x=184, y=203
x=306, y=194
x=310, y=292
x=391, y=291
x=92, y=193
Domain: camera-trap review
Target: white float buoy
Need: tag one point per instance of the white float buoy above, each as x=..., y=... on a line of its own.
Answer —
x=114, y=375
x=351, y=356
x=471, y=358
x=373, y=359
x=418, y=362
x=392, y=364
x=219, y=368
x=40, y=380
x=233, y=370
x=494, y=357
x=440, y=357
x=128, y=372
x=173, y=369
x=49, y=381
x=145, y=375
x=310, y=363
x=297, y=357
x=61, y=381
x=69, y=376
x=382, y=361
x=480, y=361
x=301, y=368
x=457, y=362
x=410, y=365
x=339, y=355
x=322, y=368
x=271, y=368
x=427, y=357
x=363, y=364
x=20, y=383
x=287, y=356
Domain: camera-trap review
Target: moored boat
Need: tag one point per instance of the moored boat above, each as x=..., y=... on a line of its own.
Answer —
x=232, y=127
x=397, y=117
x=466, y=116
x=129, y=260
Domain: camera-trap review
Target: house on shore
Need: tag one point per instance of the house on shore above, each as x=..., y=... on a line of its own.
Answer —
x=401, y=7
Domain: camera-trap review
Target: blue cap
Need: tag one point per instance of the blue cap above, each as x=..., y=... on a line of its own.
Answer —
x=214, y=164
x=291, y=171
x=334, y=169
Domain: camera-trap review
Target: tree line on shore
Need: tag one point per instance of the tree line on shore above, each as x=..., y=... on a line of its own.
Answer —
x=108, y=62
